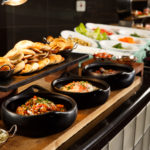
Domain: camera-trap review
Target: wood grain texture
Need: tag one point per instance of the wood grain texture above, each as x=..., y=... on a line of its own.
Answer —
x=86, y=119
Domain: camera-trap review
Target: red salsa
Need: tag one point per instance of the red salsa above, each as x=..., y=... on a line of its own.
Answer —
x=38, y=105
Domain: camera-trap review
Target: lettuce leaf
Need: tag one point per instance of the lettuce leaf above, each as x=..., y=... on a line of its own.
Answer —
x=81, y=29
x=94, y=34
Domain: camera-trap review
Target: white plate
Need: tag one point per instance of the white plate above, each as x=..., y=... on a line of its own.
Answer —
x=138, y=41
x=66, y=34
x=108, y=44
x=92, y=51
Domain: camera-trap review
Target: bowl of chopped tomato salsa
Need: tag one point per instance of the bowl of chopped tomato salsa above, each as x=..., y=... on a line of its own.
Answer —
x=38, y=112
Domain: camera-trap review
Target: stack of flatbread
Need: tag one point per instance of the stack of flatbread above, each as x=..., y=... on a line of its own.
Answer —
x=59, y=44
x=28, y=56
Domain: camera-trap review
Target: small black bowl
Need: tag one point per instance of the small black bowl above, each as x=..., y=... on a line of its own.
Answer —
x=84, y=100
x=43, y=124
x=5, y=74
x=122, y=79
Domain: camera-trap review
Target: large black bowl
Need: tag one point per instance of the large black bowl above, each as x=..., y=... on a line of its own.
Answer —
x=123, y=79
x=38, y=125
x=84, y=100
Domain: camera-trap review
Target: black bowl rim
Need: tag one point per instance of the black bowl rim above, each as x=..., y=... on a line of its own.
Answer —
x=70, y=100
x=80, y=78
x=85, y=69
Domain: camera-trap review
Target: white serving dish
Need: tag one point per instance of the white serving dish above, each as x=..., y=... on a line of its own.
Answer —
x=108, y=44
x=121, y=29
x=87, y=50
x=138, y=41
x=93, y=50
x=66, y=34
x=143, y=33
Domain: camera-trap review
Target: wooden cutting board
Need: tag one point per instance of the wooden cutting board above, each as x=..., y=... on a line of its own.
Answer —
x=86, y=119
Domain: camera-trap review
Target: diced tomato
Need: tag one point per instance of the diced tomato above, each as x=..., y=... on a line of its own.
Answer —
x=105, y=31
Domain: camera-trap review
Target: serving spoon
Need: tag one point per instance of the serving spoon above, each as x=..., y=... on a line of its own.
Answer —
x=13, y=2
x=5, y=135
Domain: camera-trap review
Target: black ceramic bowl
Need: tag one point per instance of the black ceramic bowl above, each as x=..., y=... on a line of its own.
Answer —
x=122, y=79
x=5, y=74
x=84, y=100
x=38, y=125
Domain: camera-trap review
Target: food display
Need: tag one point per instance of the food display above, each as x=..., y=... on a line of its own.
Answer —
x=94, y=34
x=104, y=71
x=79, y=86
x=28, y=56
x=38, y=105
x=79, y=41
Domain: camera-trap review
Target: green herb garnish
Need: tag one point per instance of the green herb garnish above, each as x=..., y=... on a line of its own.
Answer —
x=135, y=35
x=119, y=46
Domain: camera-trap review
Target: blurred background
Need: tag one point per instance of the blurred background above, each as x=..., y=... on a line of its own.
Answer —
x=38, y=18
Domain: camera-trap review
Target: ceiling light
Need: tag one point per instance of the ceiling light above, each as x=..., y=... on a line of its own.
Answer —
x=13, y=2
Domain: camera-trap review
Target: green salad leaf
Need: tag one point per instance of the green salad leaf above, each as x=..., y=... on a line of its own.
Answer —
x=94, y=34
x=81, y=29
x=119, y=46
x=135, y=35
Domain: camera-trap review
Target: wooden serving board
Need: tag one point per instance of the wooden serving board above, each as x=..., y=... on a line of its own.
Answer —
x=86, y=119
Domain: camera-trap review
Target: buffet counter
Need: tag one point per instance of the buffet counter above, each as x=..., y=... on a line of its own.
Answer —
x=107, y=89
x=86, y=122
